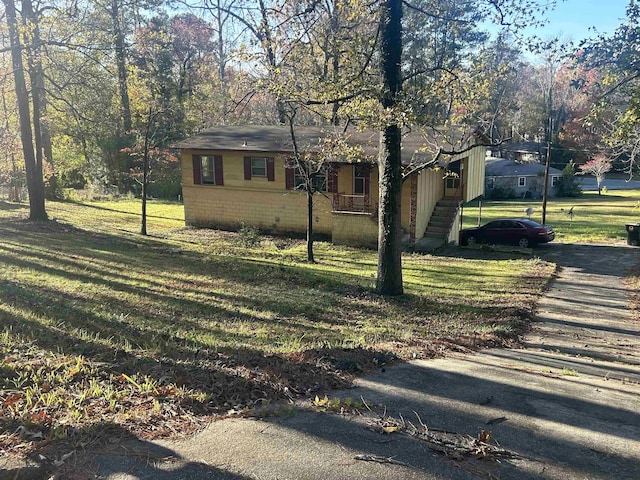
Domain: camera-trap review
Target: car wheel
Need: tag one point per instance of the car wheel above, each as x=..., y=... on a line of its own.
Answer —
x=524, y=242
x=471, y=241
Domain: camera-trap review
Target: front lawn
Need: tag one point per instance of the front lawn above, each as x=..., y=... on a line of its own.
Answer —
x=161, y=333
x=596, y=218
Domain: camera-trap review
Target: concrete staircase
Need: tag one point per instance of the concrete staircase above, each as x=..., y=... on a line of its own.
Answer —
x=437, y=232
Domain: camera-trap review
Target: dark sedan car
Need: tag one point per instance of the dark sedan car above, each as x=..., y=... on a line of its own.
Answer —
x=511, y=231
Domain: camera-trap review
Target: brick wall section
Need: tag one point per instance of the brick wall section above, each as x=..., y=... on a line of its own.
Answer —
x=267, y=210
x=355, y=229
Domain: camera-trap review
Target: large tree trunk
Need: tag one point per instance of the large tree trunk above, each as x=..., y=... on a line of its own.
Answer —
x=35, y=184
x=14, y=193
x=145, y=187
x=121, y=64
x=222, y=62
x=42, y=137
x=310, y=257
x=335, y=27
x=390, y=163
x=266, y=38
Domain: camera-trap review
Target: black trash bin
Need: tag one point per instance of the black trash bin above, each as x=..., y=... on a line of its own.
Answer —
x=633, y=234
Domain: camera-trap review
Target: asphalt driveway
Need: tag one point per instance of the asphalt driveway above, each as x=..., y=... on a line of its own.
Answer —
x=568, y=404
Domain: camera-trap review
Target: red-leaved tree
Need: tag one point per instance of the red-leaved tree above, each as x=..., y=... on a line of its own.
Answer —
x=598, y=167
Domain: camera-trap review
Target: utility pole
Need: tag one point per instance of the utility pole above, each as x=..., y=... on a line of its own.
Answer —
x=545, y=190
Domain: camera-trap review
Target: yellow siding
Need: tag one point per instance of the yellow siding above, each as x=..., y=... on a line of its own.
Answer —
x=358, y=229
x=375, y=193
x=233, y=169
x=474, y=167
x=345, y=179
x=430, y=190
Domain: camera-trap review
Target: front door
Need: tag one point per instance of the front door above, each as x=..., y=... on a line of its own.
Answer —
x=452, y=180
x=451, y=186
x=361, y=186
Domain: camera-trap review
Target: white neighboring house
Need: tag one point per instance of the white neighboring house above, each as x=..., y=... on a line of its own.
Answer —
x=518, y=180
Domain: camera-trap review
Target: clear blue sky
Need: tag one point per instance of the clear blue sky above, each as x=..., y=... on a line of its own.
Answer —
x=571, y=19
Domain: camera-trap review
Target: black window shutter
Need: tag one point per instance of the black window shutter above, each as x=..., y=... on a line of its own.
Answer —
x=290, y=180
x=367, y=180
x=217, y=166
x=197, y=170
x=332, y=178
x=271, y=170
x=247, y=168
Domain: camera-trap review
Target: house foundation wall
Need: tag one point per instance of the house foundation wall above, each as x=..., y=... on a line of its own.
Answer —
x=274, y=211
x=454, y=233
x=355, y=229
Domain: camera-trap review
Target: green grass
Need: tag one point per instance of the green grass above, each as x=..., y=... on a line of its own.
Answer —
x=154, y=333
x=597, y=219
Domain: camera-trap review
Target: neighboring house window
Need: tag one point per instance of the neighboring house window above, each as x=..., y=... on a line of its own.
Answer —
x=491, y=183
x=259, y=167
x=522, y=181
x=554, y=181
x=207, y=170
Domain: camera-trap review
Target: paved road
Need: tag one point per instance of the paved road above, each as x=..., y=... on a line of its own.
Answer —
x=590, y=184
x=568, y=404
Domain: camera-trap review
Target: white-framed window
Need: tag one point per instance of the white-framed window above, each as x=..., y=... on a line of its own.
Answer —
x=522, y=181
x=452, y=182
x=554, y=181
x=208, y=169
x=361, y=179
x=258, y=167
x=319, y=181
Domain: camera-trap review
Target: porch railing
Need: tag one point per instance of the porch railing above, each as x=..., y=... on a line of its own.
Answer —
x=352, y=203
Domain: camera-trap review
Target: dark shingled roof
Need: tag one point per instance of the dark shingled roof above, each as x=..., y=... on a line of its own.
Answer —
x=503, y=167
x=263, y=138
x=524, y=147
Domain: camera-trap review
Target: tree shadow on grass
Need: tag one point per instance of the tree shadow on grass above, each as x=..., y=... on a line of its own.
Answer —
x=11, y=206
x=124, y=212
x=185, y=395
x=294, y=288
x=191, y=378
x=188, y=378
x=116, y=264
